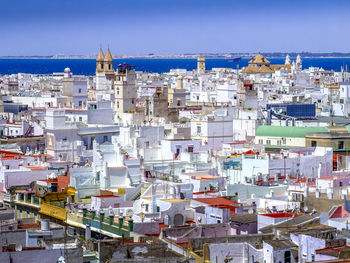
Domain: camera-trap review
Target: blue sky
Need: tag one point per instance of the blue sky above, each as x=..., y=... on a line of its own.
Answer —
x=46, y=27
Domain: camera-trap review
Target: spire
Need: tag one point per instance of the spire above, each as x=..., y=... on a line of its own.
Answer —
x=287, y=61
x=99, y=61
x=108, y=56
x=100, y=56
x=298, y=59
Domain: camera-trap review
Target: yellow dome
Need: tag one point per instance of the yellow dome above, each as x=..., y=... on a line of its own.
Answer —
x=249, y=69
x=259, y=59
x=265, y=69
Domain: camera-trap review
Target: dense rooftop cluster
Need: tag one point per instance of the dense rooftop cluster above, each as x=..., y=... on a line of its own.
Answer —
x=220, y=165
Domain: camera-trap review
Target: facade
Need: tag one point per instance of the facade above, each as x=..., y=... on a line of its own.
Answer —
x=125, y=89
x=201, y=64
x=285, y=136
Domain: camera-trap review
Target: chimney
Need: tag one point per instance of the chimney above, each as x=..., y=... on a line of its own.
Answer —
x=87, y=232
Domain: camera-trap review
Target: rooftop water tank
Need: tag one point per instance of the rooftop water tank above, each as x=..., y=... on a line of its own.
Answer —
x=45, y=224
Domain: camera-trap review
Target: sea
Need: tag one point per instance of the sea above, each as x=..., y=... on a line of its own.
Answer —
x=87, y=66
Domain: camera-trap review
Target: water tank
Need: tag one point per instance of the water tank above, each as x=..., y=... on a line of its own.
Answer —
x=88, y=232
x=45, y=224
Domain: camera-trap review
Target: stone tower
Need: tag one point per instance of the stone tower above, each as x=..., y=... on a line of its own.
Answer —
x=125, y=89
x=108, y=63
x=299, y=63
x=201, y=64
x=100, y=62
x=104, y=72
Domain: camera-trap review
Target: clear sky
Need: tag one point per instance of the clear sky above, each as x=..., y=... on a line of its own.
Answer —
x=46, y=27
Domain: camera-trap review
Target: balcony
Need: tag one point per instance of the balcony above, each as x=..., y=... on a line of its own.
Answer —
x=111, y=224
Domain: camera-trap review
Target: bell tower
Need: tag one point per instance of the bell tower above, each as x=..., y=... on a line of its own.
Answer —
x=100, y=62
x=201, y=64
x=108, y=63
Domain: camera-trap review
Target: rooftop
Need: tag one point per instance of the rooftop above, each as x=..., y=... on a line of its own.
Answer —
x=288, y=131
x=281, y=243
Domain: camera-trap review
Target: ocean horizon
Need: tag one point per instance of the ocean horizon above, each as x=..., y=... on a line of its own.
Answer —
x=87, y=66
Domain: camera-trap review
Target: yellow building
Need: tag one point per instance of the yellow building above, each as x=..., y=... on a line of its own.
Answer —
x=177, y=96
x=201, y=64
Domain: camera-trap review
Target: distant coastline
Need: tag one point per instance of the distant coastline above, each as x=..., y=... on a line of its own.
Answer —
x=275, y=55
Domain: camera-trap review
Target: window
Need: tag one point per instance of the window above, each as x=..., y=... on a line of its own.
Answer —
x=132, y=101
x=101, y=66
x=190, y=148
x=279, y=142
x=105, y=138
x=118, y=104
x=261, y=141
x=80, y=103
x=79, y=90
x=342, y=101
x=197, y=97
x=80, y=119
x=199, y=129
x=341, y=145
x=179, y=103
x=313, y=144
x=268, y=142
x=117, y=91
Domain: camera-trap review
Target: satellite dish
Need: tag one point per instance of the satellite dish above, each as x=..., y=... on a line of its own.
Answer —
x=250, y=211
x=18, y=247
x=305, y=208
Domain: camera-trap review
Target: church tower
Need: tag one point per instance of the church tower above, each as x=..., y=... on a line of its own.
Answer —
x=299, y=63
x=104, y=72
x=100, y=62
x=108, y=63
